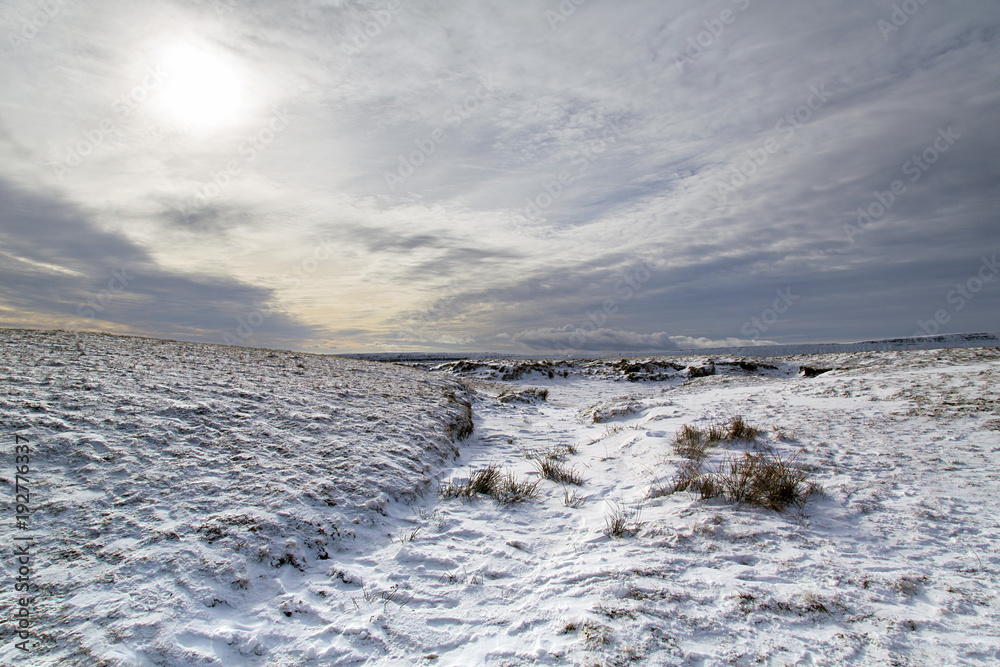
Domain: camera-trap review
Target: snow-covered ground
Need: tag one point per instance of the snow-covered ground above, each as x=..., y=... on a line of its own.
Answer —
x=183, y=496
x=199, y=505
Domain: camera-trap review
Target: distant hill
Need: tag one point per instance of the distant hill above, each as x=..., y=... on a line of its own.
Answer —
x=910, y=343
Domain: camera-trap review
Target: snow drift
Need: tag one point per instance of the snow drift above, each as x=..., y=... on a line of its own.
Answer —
x=173, y=481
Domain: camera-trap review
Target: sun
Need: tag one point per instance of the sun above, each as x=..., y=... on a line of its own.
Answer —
x=202, y=88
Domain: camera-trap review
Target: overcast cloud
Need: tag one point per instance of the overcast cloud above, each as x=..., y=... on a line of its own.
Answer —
x=523, y=176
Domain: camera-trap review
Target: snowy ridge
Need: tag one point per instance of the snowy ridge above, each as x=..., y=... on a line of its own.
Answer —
x=635, y=369
x=174, y=481
x=882, y=345
x=944, y=341
x=161, y=547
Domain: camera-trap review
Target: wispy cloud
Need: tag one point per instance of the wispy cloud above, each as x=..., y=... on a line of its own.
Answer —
x=486, y=168
x=58, y=266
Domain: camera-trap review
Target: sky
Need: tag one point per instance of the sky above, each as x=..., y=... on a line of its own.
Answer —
x=519, y=176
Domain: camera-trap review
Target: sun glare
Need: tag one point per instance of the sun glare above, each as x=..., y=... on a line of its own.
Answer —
x=202, y=89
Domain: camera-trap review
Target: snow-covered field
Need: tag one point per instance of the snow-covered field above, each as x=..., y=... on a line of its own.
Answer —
x=198, y=505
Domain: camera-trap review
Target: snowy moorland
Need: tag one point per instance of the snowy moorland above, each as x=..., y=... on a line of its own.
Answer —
x=203, y=505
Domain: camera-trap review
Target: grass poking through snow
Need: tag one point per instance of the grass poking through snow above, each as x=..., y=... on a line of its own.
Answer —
x=622, y=521
x=571, y=499
x=558, y=472
x=512, y=490
x=490, y=481
x=738, y=429
x=692, y=442
x=761, y=478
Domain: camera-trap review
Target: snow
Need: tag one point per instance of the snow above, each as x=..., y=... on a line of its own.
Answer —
x=178, y=485
x=202, y=505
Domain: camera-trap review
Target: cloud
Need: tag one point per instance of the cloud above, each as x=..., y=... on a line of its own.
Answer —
x=572, y=340
x=525, y=203
x=595, y=340
x=56, y=265
x=688, y=343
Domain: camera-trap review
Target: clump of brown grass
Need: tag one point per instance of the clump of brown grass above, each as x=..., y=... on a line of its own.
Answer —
x=739, y=429
x=692, y=442
x=761, y=478
x=622, y=521
x=571, y=498
x=512, y=490
x=527, y=395
x=505, y=488
x=553, y=469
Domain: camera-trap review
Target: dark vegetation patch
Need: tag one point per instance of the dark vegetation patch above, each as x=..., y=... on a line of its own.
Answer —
x=759, y=477
x=812, y=371
x=490, y=481
x=528, y=395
